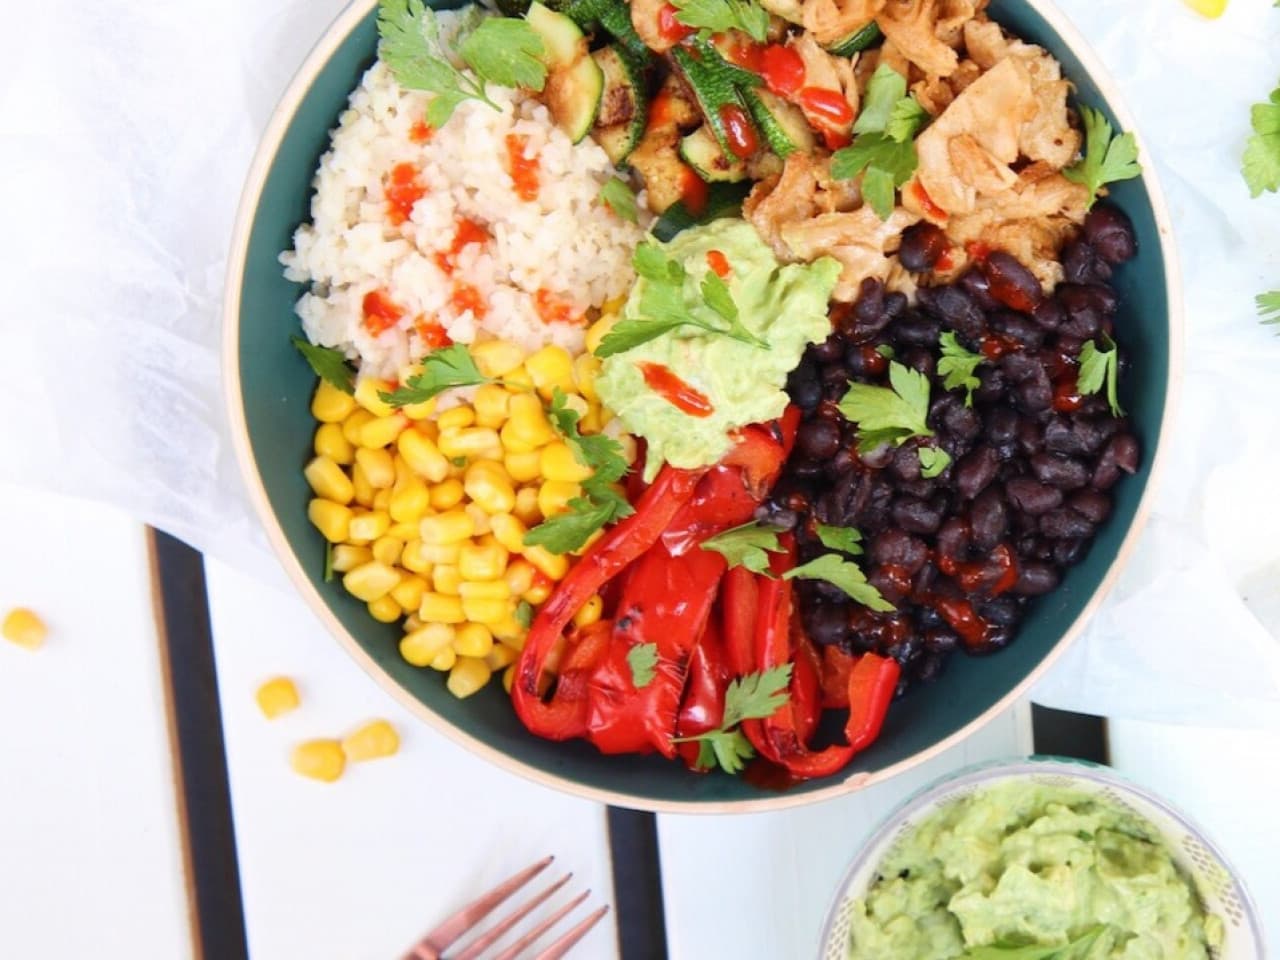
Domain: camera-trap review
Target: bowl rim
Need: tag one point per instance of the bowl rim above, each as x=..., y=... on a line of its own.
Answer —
x=984, y=772
x=334, y=35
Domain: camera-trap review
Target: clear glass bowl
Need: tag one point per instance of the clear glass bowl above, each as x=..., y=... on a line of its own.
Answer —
x=1216, y=882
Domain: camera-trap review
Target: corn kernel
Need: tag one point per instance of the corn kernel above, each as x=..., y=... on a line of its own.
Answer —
x=629, y=450
x=589, y=612
x=523, y=467
x=371, y=581
x=510, y=631
x=331, y=443
x=586, y=369
x=479, y=519
x=387, y=549
x=328, y=480
x=558, y=462
x=472, y=640
x=277, y=696
x=518, y=380
x=385, y=610
x=319, y=760
x=550, y=368
x=467, y=676
x=484, y=590
x=446, y=494
x=420, y=646
x=409, y=501
x=367, y=395
x=447, y=528
x=368, y=527
x=333, y=520
x=444, y=660
x=446, y=579
x=527, y=427
x=486, y=482
x=363, y=489
x=482, y=561
x=439, y=608
x=416, y=411
x=500, y=656
x=374, y=740
x=496, y=358
x=411, y=558
x=540, y=590
x=491, y=403
x=441, y=553
x=596, y=332
x=577, y=404
x=422, y=455
x=348, y=556
x=509, y=532
x=378, y=467
x=470, y=442
x=487, y=611
x=382, y=500
x=381, y=431
x=331, y=405
x=404, y=530
x=519, y=576
x=587, y=544
x=408, y=593
x=455, y=418
x=554, y=565
x=591, y=422
x=554, y=496
x=353, y=424
x=25, y=628
x=526, y=508
x=509, y=678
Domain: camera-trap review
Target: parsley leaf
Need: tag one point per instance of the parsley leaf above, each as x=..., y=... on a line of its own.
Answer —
x=328, y=364
x=957, y=366
x=717, y=296
x=524, y=614
x=1261, y=165
x=617, y=196
x=507, y=52
x=650, y=262
x=1269, y=306
x=889, y=416
x=933, y=460
x=905, y=119
x=885, y=88
x=846, y=575
x=568, y=531
x=721, y=15
x=757, y=696
x=1099, y=366
x=845, y=539
x=412, y=49
x=602, y=454
x=1106, y=159
x=643, y=661
x=746, y=546
x=887, y=163
x=626, y=334
x=442, y=370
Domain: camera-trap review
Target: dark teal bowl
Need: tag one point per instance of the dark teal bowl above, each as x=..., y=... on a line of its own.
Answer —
x=269, y=388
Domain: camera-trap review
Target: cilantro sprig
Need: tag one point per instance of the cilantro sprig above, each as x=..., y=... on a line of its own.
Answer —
x=442, y=370
x=756, y=696
x=884, y=151
x=746, y=546
x=1106, y=159
x=933, y=460
x=718, y=16
x=957, y=366
x=846, y=575
x=1261, y=164
x=1099, y=367
x=328, y=364
x=500, y=50
x=845, y=539
x=616, y=194
x=885, y=415
x=643, y=661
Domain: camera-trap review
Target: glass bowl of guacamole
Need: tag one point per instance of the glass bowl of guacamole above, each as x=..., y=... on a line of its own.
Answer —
x=1040, y=859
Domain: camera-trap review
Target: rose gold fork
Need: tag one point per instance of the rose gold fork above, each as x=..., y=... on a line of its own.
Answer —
x=434, y=944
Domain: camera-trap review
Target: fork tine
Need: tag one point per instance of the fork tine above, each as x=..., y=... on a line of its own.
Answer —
x=518, y=947
x=561, y=946
x=478, y=946
x=444, y=935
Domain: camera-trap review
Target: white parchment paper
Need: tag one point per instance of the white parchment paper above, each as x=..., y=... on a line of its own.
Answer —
x=126, y=129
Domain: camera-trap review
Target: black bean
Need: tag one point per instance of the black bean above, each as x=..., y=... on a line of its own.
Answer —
x=916, y=516
x=1002, y=611
x=818, y=439
x=807, y=469
x=1093, y=433
x=1059, y=471
x=844, y=461
x=1036, y=579
x=829, y=350
x=903, y=647
x=1031, y=496
x=988, y=519
x=857, y=362
x=826, y=623
x=804, y=386
x=1124, y=448
x=953, y=539
x=1061, y=436
x=889, y=585
x=1034, y=396
x=1090, y=504
x=927, y=618
x=962, y=421
x=1030, y=436
x=920, y=359
x=1069, y=346
x=1109, y=229
x=974, y=472
x=915, y=329
x=920, y=489
x=956, y=309
x=1019, y=327
x=906, y=462
x=1081, y=263
x=940, y=639
x=776, y=516
x=1067, y=553
x=922, y=245
x=974, y=283
x=1088, y=307
x=1001, y=425
x=835, y=383
x=1010, y=282
x=1049, y=314
x=1064, y=524
x=996, y=638
x=879, y=457
x=992, y=384
x=899, y=548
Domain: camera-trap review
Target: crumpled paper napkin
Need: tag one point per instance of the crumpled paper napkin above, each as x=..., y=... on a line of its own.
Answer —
x=126, y=129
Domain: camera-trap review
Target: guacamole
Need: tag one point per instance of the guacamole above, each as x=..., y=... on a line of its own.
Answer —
x=732, y=383
x=1020, y=864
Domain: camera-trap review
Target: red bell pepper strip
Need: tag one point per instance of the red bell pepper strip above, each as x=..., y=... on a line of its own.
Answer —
x=836, y=666
x=873, y=681
x=703, y=705
x=667, y=602
x=606, y=558
x=568, y=709
x=739, y=600
x=762, y=449
x=805, y=691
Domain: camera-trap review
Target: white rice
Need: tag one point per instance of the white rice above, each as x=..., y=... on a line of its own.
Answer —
x=565, y=242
